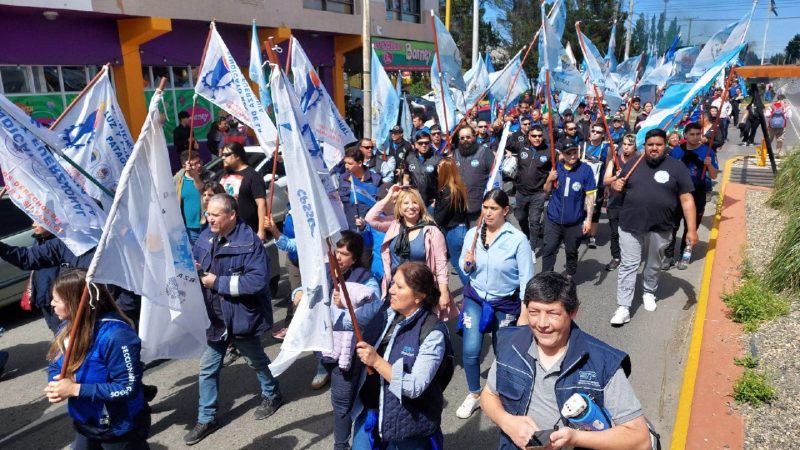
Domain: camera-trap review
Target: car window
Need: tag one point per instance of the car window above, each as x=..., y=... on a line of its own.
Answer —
x=14, y=220
x=253, y=159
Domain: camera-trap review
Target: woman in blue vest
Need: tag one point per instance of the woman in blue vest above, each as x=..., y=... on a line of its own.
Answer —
x=103, y=383
x=399, y=405
x=498, y=267
x=344, y=374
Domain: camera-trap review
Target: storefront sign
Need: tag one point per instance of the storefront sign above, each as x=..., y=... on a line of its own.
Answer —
x=399, y=54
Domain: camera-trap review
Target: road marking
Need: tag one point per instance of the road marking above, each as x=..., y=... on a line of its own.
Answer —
x=681, y=429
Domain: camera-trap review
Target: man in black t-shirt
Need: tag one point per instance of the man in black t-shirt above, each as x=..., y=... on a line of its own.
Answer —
x=652, y=194
x=243, y=183
x=180, y=135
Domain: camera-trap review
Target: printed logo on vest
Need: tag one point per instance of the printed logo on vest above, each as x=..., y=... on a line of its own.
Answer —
x=474, y=163
x=588, y=378
x=407, y=351
x=543, y=158
x=412, y=167
x=429, y=168
x=523, y=155
x=576, y=186
x=662, y=176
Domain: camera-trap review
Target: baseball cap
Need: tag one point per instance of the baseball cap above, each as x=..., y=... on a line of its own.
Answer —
x=396, y=129
x=567, y=112
x=617, y=117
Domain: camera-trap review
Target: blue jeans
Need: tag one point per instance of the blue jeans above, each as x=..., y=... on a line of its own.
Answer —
x=454, y=237
x=472, y=340
x=211, y=364
x=361, y=439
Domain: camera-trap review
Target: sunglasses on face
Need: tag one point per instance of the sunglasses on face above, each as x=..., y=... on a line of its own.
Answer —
x=423, y=142
x=597, y=131
x=368, y=147
x=571, y=129
x=226, y=154
x=536, y=136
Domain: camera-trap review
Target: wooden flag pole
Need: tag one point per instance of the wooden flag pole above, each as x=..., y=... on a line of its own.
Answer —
x=273, y=59
x=191, y=127
x=605, y=123
x=633, y=91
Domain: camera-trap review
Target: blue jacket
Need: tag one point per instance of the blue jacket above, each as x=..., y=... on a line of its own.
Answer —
x=43, y=278
x=587, y=367
x=566, y=205
x=239, y=304
x=53, y=253
x=111, y=402
x=345, y=193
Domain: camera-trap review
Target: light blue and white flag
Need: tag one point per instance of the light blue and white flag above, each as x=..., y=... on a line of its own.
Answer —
x=488, y=62
x=315, y=220
x=678, y=97
x=221, y=82
x=684, y=60
x=477, y=79
x=658, y=77
x=96, y=137
x=145, y=249
x=495, y=180
x=550, y=47
x=670, y=54
x=611, y=57
x=595, y=67
x=722, y=42
x=450, y=57
x=256, y=70
x=318, y=107
x=40, y=187
x=406, y=120
x=385, y=102
x=503, y=84
x=445, y=103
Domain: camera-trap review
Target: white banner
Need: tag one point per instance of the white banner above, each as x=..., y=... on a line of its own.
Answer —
x=145, y=249
x=40, y=187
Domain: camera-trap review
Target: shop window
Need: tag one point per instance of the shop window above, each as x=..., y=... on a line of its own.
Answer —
x=158, y=73
x=16, y=79
x=181, y=76
x=74, y=78
x=147, y=80
x=403, y=10
x=338, y=6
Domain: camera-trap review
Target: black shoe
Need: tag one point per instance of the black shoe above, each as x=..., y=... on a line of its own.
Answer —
x=268, y=407
x=200, y=431
x=613, y=265
x=231, y=355
x=668, y=264
x=150, y=392
x=3, y=361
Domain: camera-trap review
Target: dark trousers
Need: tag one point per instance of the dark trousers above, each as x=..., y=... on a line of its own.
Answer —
x=84, y=443
x=528, y=212
x=700, y=204
x=343, y=392
x=554, y=234
x=613, y=223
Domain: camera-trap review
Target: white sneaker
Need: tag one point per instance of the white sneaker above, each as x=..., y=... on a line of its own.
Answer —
x=649, y=300
x=469, y=406
x=621, y=316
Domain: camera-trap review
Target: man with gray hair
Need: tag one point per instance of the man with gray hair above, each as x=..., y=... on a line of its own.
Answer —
x=234, y=271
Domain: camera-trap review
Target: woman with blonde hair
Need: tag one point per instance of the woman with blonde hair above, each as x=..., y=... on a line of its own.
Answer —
x=103, y=382
x=411, y=235
x=450, y=211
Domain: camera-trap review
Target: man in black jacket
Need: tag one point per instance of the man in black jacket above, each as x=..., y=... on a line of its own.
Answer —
x=533, y=166
x=475, y=165
x=421, y=168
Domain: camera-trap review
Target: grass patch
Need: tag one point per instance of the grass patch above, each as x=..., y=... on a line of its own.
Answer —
x=753, y=303
x=782, y=274
x=747, y=361
x=753, y=388
x=787, y=183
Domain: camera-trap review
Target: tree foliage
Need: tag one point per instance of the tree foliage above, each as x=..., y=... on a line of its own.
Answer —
x=461, y=30
x=792, y=50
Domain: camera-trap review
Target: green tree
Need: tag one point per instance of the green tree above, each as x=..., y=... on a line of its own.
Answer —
x=461, y=29
x=660, y=37
x=672, y=32
x=792, y=50
x=639, y=36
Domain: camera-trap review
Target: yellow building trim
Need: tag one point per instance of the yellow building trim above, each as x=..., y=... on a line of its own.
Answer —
x=128, y=76
x=341, y=45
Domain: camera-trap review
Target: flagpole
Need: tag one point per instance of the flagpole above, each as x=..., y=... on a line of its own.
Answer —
x=764, y=40
x=366, y=72
x=74, y=101
x=82, y=172
x=441, y=84
x=191, y=125
x=633, y=91
x=605, y=123
x=288, y=54
x=273, y=59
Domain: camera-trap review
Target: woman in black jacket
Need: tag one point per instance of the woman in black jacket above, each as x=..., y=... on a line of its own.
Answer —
x=450, y=211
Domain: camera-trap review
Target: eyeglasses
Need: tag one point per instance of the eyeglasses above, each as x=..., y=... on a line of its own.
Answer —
x=423, y=142
x=465, y=138
x=597, y=131
x=539, y=136
x=226, y=154
x=571, y=129
x=436, y=133
x=368, y=147
x=481, y=126
x=525, y=124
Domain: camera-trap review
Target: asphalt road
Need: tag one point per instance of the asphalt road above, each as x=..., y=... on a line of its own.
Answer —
x=656, y=341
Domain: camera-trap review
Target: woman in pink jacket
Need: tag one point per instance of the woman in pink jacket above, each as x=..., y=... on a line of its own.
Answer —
x=411, y=235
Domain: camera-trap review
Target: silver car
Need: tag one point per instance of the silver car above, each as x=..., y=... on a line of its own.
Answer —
x=15, y=229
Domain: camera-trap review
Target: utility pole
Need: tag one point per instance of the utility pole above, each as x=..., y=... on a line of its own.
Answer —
x=630, y=29
x=689, y=32
x=476, y=20
x=366, y=62
x=764, y=41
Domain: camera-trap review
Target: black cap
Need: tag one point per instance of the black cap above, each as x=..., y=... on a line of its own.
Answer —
x=396, y=129
x=567, y=112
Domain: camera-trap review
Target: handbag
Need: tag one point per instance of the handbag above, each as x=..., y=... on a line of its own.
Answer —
x=26, y=302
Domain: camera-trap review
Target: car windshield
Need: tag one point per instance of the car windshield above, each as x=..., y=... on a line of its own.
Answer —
x=14, y=221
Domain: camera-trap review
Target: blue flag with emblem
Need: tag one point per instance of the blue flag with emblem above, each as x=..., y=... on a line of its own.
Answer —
x=363, y=193
x=256, y=70
x=449, y=56
x=385, y=102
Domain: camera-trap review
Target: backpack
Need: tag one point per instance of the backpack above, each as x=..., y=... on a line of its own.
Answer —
x=445, y=371
x=778, y=118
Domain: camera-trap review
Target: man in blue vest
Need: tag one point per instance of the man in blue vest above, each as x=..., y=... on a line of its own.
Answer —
x=539, y=367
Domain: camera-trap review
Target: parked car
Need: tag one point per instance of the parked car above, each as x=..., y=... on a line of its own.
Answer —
x=15, y=229
x=280, y=202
